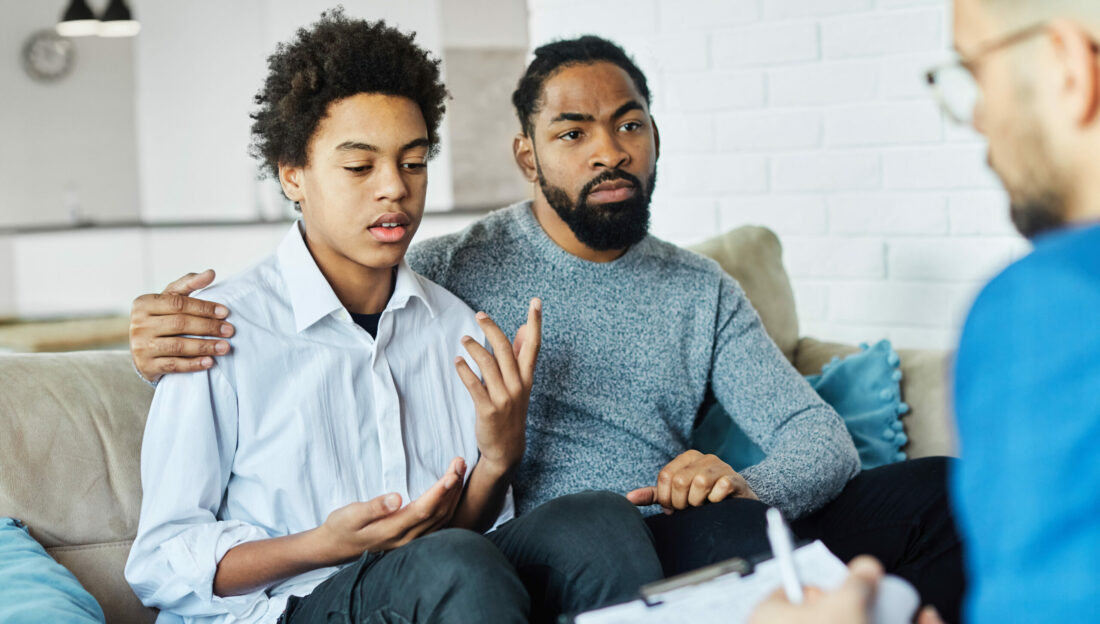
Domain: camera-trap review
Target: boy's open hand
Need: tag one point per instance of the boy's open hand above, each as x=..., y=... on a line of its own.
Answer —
x=501, y=400
x=691, y=480
x=380, y=524
x=158, y=322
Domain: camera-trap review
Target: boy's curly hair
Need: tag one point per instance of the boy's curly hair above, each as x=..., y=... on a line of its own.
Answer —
x=335, y=58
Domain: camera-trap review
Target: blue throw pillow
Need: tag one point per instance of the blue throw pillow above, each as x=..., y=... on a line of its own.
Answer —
x=35, y=588
x=864, y=388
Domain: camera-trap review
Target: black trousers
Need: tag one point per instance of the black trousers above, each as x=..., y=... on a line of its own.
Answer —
x=898, y=513
x=574, y=553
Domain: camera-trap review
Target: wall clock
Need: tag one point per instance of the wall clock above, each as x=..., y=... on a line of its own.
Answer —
x=47, y=56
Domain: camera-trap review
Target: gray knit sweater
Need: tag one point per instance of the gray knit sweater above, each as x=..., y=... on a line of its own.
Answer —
x=629, y=350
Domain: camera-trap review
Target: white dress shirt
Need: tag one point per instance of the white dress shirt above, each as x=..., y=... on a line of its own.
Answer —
x=307, y=414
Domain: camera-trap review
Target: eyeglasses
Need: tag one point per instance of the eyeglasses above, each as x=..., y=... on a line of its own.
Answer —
x=954, y=84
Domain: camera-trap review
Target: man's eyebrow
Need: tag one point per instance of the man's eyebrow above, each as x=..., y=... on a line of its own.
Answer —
x=619, y=112
x=572, y=117
x=626, y=108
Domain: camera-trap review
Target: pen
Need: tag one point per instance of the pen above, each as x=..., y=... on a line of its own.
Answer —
x=780, y=538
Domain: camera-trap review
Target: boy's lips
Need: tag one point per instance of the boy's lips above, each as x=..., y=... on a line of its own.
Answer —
x=390, y=227
x=390, y=218
x=386, y=234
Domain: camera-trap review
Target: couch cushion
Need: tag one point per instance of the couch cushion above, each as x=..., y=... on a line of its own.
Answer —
x=754, y=257
x=929, y=424
x=34, y=588
x=70, y=456
x=99, y=567
x=864, y=390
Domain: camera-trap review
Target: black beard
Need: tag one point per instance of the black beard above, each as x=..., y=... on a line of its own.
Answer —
x=603, y=227
x=1036, y=215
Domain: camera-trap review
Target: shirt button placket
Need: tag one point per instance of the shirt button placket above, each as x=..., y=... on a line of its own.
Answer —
x=388, y=413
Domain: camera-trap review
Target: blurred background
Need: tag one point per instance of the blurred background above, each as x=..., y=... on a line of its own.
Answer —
x=124, y=164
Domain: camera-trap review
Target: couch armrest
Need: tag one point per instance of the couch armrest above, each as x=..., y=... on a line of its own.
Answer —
x=924, y=386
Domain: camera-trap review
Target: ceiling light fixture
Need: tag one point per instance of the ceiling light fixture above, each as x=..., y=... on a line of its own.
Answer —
x=78, y=20
x=118, y=21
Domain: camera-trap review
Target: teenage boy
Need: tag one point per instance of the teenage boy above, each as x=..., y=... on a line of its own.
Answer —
x=321, y=467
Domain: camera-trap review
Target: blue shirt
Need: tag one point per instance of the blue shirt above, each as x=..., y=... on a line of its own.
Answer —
x=1027, y=385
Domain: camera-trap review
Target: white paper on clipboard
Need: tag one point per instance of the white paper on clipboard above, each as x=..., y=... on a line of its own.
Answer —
x=728, y=599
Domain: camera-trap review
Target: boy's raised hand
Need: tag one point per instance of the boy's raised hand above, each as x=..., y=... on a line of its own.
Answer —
x=501, y=399
x=380, y=524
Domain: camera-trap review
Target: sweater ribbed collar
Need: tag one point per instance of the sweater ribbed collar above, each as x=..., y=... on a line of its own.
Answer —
x=523, y=217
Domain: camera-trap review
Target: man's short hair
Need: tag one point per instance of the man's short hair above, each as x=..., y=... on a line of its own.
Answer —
x=333, y=59
x=558, y=54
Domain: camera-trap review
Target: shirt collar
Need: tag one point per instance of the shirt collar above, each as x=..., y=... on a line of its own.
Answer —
x=409, y=285
x=312, y=297
x=1066, y=231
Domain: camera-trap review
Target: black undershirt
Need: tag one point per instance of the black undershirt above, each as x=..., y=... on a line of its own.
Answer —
x=368, y=322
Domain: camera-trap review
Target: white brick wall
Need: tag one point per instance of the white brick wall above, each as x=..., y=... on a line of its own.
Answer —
x=811, y=117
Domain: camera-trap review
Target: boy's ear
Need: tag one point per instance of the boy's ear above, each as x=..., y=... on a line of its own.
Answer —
x=290, y=178
x=523, y=150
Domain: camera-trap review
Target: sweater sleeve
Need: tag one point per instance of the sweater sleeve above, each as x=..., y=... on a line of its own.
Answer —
x=809, y=456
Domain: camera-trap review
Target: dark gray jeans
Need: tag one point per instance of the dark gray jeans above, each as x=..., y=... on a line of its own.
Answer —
x=574, y=553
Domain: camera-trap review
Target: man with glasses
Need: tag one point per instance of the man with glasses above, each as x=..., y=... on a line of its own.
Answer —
x=1027, y=376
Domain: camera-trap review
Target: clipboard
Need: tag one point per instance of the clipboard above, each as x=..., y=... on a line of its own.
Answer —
x=724, y=592
x=727, y=592
x=654, y=593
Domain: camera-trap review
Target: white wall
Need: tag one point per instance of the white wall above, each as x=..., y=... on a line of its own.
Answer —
x=67, y=141
x=45, y=275
x=76, y=272
x=483, y=24
x=179, y=95
x=811, y=117
x=199, y=63
x=7, y=278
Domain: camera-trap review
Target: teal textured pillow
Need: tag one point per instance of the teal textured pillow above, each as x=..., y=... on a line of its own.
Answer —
x=864, y=388
x=35, y=588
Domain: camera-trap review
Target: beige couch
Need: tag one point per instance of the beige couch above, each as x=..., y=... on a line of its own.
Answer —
x=69, y=452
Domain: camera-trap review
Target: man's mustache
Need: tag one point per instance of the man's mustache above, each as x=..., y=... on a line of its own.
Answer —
x=607, y=176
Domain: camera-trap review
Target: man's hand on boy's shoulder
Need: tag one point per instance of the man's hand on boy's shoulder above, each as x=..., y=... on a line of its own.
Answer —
x=159, y=321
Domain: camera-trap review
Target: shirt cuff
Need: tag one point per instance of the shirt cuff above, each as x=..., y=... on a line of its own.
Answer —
x=151, y=384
